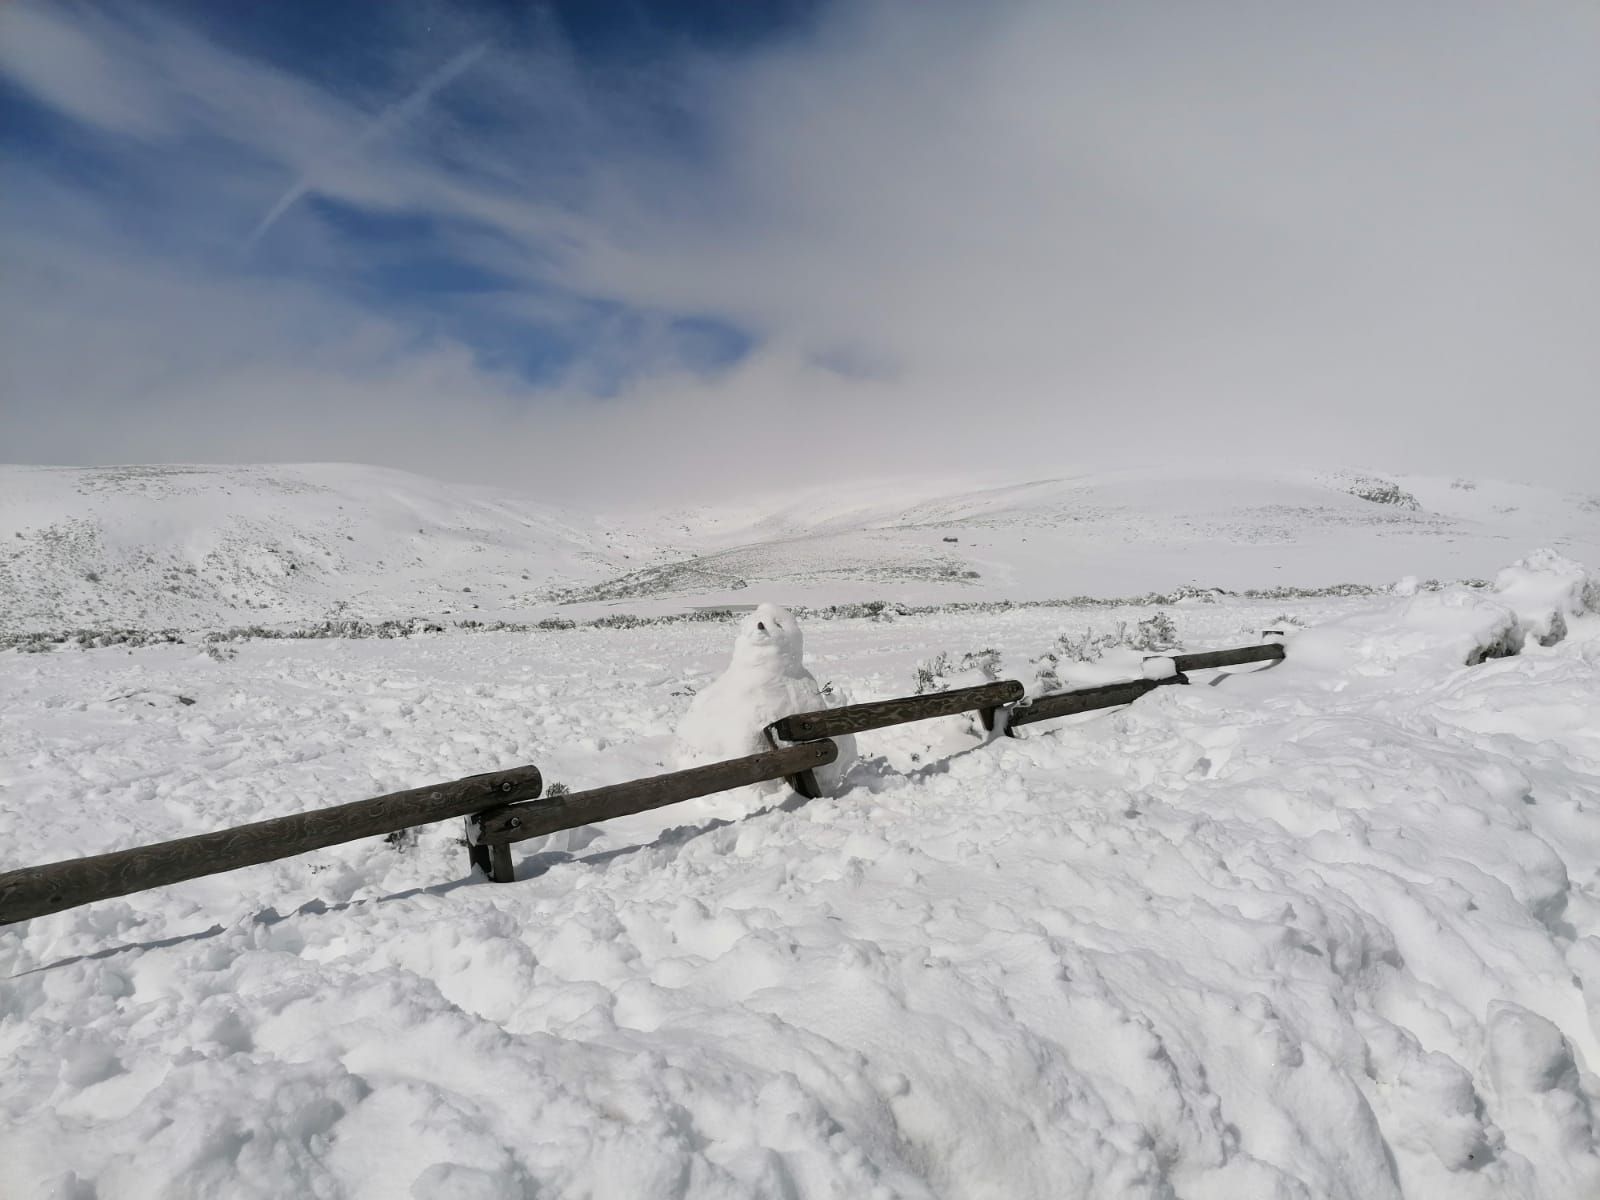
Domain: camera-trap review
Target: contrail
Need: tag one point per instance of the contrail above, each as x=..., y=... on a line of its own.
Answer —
x=390, y=118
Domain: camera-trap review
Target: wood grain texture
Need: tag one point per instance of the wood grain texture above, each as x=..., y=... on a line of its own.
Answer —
x=876, y=714
x=35, y=891
x=1064, y=704
x=1110, y=695
x=501, y=868
x=572, y=809
x=1207, y=659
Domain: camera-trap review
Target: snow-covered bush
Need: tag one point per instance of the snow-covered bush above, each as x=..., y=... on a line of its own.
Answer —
x=619, y=621
x=875, y=610
x=1546, y=590
x=941, y=674
x=1382, y=491
x=1153, y=635
x=930, y=674
x=985, y=661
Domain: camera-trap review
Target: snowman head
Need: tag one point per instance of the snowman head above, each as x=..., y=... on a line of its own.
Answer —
x=769, y=640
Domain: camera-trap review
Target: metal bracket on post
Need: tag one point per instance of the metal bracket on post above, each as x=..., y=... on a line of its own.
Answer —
x=494, y=861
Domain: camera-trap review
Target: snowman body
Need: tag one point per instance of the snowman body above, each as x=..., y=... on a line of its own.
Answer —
x=765, y=680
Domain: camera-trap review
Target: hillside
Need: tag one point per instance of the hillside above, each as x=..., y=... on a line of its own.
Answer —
x=190, y=546
x=199, y=546
x=1111, y=533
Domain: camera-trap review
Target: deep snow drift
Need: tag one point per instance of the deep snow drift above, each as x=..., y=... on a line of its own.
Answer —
x=1328, y=929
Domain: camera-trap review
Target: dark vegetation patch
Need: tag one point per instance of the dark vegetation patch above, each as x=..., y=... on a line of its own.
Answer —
x=876, y=610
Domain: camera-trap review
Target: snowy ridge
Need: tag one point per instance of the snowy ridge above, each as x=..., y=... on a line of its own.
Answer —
x=206, y=547
x=196, y=546
x=1331, y=929
x=1118, y=533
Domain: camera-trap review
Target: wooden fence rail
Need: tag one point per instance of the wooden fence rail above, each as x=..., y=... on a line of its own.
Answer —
x=858, y=718
x=1065, y=704
x=502, y=807
x=500, y=827
x=35, y=891
x=1207, y=659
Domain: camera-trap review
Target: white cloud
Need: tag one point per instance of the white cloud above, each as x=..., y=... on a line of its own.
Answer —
x=76, y=72
x=1027, y=234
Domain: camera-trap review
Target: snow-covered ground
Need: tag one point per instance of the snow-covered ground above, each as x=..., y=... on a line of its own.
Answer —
x=1328, y=929
x=203, y=546
x=199, y=547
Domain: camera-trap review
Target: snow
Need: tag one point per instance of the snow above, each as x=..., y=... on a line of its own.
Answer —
x=208, y=546
x=1158, y=668
x=1456, y=626
x=1545, y=590
x=203, y=547
x=1328, y=929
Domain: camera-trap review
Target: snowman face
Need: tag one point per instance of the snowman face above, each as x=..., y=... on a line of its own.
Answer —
x=768, y=637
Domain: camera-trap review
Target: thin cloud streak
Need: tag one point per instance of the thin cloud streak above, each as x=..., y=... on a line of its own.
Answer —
x=387, y=121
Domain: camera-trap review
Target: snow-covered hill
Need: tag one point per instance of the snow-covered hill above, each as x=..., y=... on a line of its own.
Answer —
x=196, y=546
x=1110, y=533
x=192, y=546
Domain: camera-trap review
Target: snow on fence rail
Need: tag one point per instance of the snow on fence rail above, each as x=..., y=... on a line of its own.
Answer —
x=504, y=807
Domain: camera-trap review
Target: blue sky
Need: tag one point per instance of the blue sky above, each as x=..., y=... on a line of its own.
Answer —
x=383, y=87
x=637, y=242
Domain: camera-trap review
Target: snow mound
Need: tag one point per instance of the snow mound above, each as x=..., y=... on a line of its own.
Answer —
x=1454, y=627
x=1158, y=668
x=1534, y=598
x=1546, y=590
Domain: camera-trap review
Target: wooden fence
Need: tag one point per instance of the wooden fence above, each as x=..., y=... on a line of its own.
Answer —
x=504, y=807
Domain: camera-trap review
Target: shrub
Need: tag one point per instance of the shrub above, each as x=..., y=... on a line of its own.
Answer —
x=930, y=673
x=1381, y=491
x=1153, y=634
x=619, y=621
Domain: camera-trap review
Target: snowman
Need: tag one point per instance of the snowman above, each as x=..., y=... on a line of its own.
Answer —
x=765, y=680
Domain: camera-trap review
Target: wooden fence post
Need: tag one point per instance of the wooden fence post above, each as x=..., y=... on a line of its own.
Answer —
x=36, y=891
